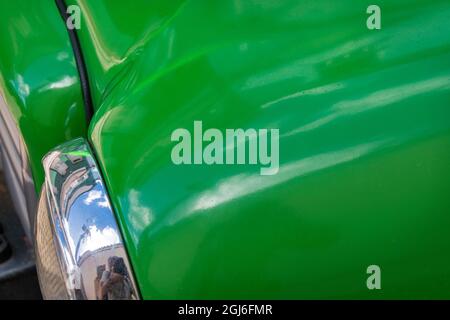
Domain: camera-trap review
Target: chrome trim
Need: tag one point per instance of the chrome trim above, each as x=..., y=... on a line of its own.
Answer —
x=84, y=229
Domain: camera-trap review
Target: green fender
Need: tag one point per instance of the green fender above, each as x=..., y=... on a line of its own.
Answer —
x=364, y=120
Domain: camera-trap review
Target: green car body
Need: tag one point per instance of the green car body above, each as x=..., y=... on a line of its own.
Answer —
x=364, y=122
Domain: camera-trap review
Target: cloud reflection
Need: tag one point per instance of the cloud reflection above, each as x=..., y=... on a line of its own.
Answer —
x=95, y=238
x=140, y=216
x=98, y=197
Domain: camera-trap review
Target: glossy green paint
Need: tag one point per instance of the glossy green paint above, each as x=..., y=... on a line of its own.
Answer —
x=38, y=78
x=364, y=119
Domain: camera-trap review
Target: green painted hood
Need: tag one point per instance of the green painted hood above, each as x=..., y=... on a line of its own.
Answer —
x=364, y=120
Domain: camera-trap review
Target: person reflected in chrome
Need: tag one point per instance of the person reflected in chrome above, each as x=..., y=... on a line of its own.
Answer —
x=115, y=283
x=97, y=286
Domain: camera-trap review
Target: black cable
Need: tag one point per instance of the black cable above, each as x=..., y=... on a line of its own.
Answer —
x=81, y=66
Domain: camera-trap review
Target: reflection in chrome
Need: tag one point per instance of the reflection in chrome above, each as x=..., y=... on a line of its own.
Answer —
x=92, y=262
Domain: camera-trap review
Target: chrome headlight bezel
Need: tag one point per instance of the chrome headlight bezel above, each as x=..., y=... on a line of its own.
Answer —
x=76, y=233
